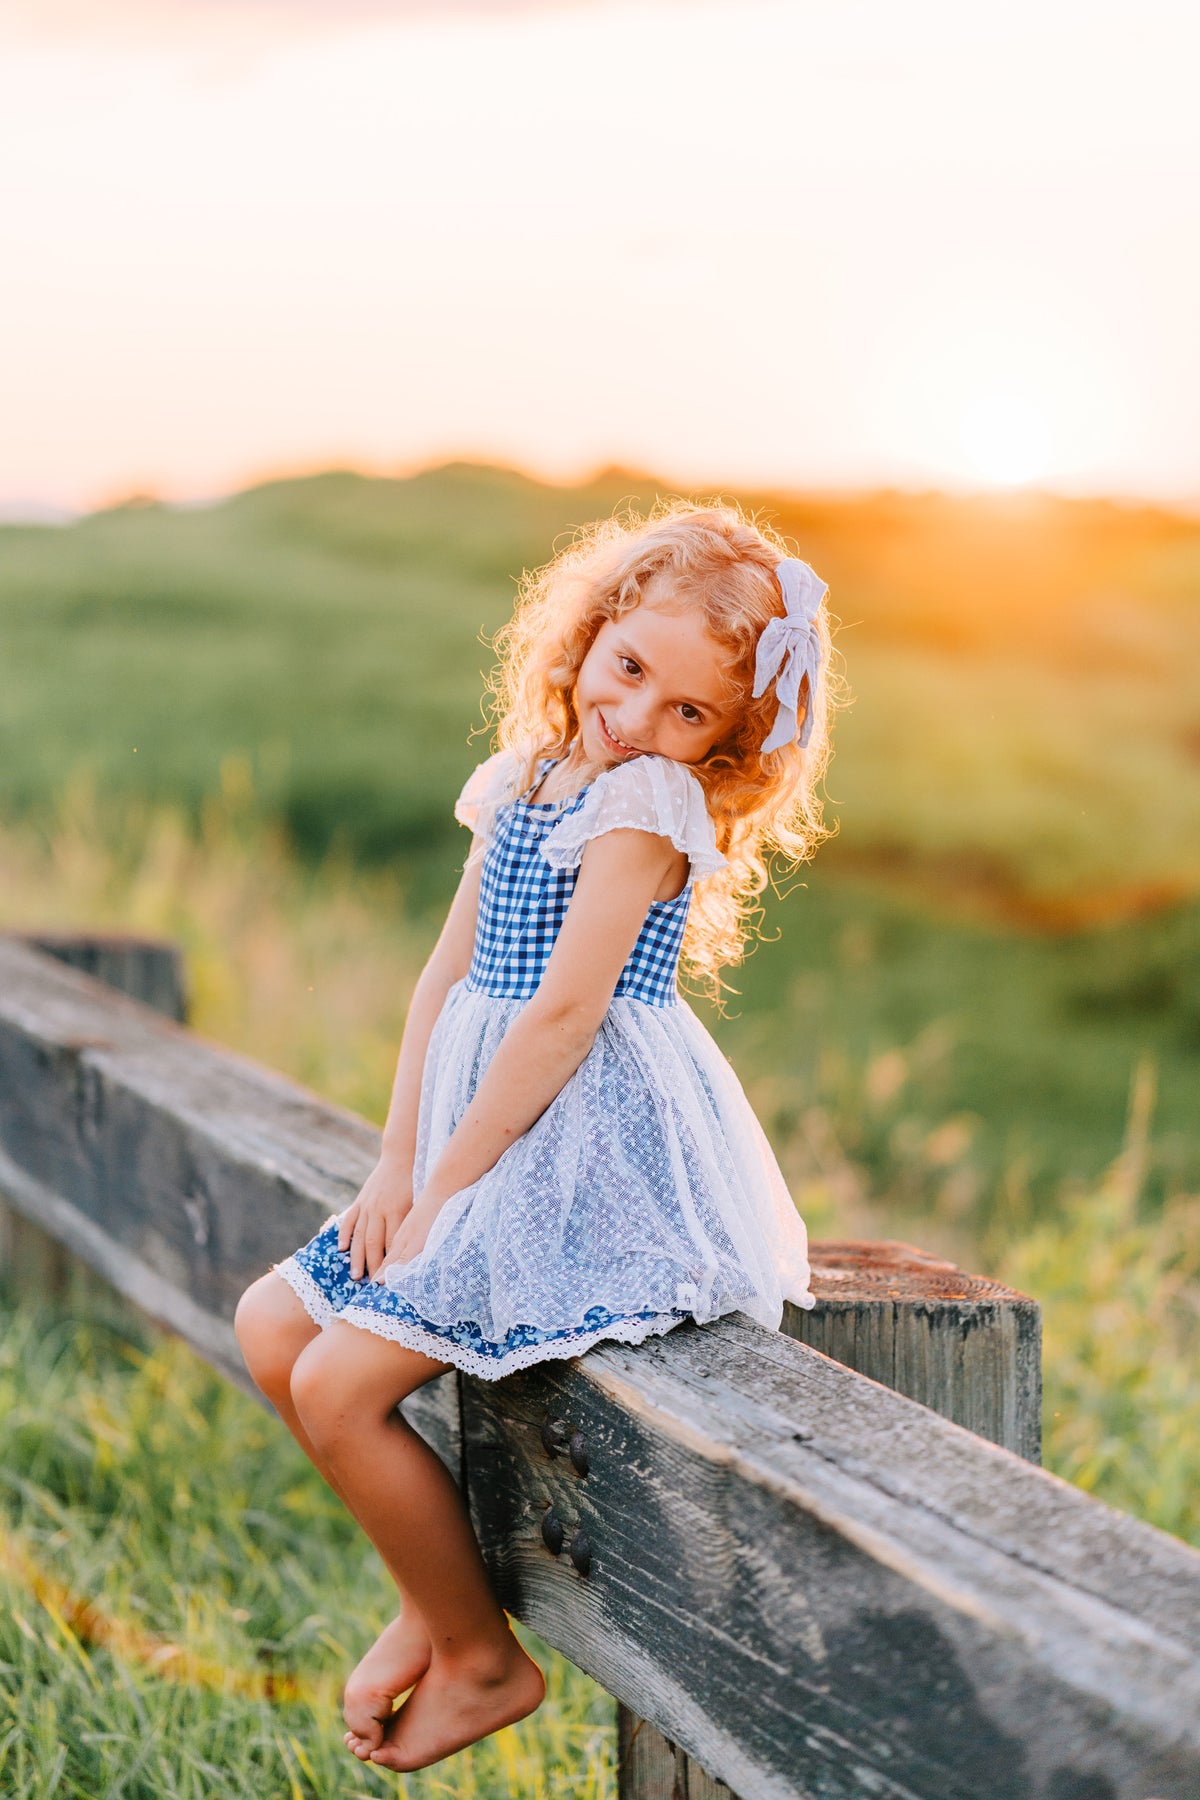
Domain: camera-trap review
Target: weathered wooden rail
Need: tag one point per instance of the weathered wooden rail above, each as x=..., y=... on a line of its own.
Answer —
x=807, y=1584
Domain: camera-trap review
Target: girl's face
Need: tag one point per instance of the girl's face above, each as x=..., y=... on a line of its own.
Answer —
x=651, y=685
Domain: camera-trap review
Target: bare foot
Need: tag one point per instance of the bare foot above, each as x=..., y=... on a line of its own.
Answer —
x=456, y=1704
x=398, y=1658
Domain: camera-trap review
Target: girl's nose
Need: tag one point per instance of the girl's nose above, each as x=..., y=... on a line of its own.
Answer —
x=636, y=727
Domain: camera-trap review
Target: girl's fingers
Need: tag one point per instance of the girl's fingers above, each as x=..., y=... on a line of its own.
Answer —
x=395, y=1254
x=406, y=1244
x=376, y=1244
x=360, y=1248
x=369, y=1237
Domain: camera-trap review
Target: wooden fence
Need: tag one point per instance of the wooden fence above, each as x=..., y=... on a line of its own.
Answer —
x=796, y=1581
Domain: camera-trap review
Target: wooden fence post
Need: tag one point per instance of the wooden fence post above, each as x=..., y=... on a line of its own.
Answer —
x=147, y=969
x=963, y=1346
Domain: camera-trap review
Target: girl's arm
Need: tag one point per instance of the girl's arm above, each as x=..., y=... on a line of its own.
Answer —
x=369, y=1225
x=619, y=876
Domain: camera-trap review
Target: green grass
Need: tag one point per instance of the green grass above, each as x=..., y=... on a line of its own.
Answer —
x=1120, y=1295
x=167, y=1552
x=966, y=1071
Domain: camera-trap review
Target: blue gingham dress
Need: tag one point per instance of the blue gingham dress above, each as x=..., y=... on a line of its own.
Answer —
x=646, y=1193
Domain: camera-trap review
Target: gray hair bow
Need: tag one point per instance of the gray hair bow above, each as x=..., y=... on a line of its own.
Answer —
x=789, y=652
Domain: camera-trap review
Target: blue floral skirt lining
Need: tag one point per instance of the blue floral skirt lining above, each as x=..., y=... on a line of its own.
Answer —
x=319, y=1274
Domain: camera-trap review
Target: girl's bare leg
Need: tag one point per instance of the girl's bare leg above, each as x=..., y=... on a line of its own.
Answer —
x=273, y=1328
x=346, y=1385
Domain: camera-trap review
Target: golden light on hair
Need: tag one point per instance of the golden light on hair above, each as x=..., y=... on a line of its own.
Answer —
x=719, y=559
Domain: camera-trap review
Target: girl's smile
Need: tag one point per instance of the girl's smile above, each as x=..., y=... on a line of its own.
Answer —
x=618, y=748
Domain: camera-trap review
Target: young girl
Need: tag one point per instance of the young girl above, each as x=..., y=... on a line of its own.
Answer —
x=567, y=1156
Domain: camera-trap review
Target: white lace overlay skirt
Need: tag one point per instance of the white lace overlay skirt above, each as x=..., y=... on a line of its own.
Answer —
x=646, y=1193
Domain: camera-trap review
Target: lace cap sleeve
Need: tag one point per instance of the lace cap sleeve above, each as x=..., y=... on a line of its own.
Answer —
x=652, y=793
x=486, y=789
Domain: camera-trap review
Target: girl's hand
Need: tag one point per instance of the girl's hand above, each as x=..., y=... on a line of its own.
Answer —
x=409, y=1241
x=368, y=1227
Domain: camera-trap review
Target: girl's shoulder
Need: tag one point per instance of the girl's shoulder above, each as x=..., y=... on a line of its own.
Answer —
x=487, y=787
x=648, y=793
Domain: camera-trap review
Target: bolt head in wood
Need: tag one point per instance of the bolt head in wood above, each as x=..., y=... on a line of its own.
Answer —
x=578, y=1452
x=581, y=1552
x=554, y=1435
x=552, y=1531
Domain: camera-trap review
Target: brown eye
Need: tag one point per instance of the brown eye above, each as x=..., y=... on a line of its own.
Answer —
x=629, y=666
x=690, y=714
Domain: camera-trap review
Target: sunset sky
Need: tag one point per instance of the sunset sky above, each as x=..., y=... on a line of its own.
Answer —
x=826, y=244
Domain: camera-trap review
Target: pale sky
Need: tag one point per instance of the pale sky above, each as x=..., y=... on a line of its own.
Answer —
x=821, y=244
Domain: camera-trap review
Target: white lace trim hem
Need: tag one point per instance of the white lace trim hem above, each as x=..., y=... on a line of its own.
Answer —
x=494, y=1368
x=306, y=1290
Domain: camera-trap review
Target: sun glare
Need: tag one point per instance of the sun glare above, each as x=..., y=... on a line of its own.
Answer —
x=998, y=391
x=1005, y=438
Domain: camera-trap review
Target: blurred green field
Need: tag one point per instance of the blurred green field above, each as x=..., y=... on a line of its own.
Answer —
x=1028, y=689
x=1006, y=922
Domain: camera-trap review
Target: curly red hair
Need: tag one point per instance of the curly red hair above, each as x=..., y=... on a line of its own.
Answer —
x=714, y=557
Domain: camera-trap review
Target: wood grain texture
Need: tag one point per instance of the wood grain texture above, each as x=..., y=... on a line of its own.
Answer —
x=969, y=1348
x=812, y=1585
x=816, y=1587
x=651, y=1767
x=965, y=1346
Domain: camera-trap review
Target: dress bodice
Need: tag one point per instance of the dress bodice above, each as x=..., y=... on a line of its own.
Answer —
x=523, y=900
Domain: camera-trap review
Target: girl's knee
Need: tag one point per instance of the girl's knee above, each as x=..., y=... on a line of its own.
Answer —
x=347, y=1381
x=316, y=1392
x=271, y=1328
